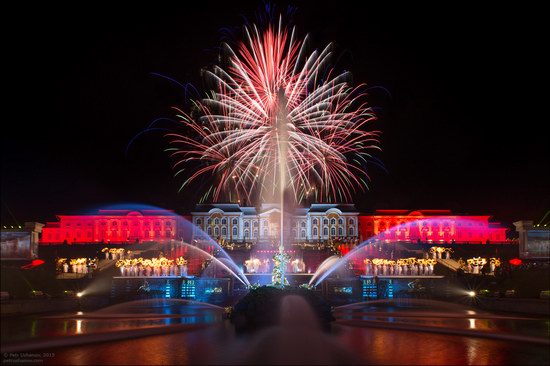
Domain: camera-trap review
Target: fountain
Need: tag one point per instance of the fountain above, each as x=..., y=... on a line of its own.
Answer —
x=281, y=137
x=328, y=267
x=170, y=274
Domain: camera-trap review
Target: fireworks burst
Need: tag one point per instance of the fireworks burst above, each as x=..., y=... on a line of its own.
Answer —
x=277, y=117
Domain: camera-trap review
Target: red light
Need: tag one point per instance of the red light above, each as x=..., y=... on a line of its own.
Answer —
x=515, y=261
x=34, y=263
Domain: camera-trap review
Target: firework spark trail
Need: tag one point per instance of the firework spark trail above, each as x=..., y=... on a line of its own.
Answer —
x=269, y=79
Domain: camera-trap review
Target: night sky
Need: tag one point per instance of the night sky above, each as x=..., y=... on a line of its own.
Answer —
x=456, y=89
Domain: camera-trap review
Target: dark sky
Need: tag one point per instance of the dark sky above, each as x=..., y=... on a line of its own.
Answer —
x=457, y=90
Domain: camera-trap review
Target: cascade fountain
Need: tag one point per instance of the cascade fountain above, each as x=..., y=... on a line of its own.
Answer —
x=281, y=137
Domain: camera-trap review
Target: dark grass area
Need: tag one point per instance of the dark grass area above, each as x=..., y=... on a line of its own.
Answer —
x=525, y=283
x=20, y=282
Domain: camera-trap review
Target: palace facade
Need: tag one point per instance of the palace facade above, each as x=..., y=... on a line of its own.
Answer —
x=431, y=226
x=317, y=223
x=114, y=226
x=233, y=223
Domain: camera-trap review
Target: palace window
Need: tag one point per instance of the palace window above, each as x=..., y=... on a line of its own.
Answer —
x=199, y=222
x=315, y=222
x=216, y=231
x=340, y=222
x=333, y=231
x=234, y=221
x=333, y=221
x=234, y=231
x=303, y=233
x=216, y=221
x=314, y=231
x=303, y=224
x=325, y=231
x=246, y=233
x=325, y=222
x=255, y=223
x=246, y=224
x=350, y=232
x=224, y=231
x=224, y=221
x=340, y=231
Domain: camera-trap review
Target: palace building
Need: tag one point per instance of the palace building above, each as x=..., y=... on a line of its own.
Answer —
x=233, y=223
x=113, y=226
x=317, y=223
x=431, y=226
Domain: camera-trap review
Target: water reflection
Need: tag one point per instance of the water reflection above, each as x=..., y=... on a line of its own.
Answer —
x=366, y=329
x=130, y=316
x=382, y=346
x=433, y=314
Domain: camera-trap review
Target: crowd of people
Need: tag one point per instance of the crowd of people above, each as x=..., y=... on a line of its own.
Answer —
x=399, y=267
x=158, y=267
x=76, y=265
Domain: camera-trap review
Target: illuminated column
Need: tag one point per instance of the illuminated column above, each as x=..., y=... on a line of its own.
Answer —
x=261, y=226
x=241, y=227
x=230, y=227
x=211, y=225
x=319, y=227
x=347, y=225
x=453, y=229
x=96, y=230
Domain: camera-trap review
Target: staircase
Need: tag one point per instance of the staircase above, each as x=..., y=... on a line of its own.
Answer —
x=449, y=263
x=103, y=264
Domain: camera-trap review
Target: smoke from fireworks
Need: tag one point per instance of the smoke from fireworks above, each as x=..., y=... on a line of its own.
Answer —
x=278, y=118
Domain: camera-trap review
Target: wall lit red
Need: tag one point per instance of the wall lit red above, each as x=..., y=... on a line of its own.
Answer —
x=114, y=226
x=436, y=226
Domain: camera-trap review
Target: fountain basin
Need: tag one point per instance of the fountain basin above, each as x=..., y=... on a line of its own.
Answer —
x=260, y=308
